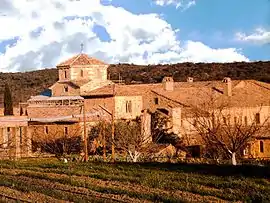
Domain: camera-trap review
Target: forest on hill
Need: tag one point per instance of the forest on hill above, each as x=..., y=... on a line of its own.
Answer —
x=25, y=84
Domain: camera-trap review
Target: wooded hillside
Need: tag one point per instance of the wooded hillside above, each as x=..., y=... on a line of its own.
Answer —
x=23, y=85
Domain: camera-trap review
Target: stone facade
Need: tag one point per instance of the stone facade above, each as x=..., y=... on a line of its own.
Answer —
x=15, y=137
x=128, y=107
x=260, y=148
x=83, y=83
x=64, y=89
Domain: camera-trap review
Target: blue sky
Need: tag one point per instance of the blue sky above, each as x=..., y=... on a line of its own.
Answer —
x=214, y=22
x=133, y=31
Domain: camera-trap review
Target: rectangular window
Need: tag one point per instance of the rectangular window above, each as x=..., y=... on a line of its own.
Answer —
x=21, y=134
x=46, y=130
x=6, y=137
x=81, y=73
x=156, y=100
x=224, y=121
x=261, y=146
x=195, y=123
x=257, y=118
x=66, y=89
x=66, y=130
x=246, y=151
x=65, y=74
x=128, y=107
x=235, y=120
x=246, y=121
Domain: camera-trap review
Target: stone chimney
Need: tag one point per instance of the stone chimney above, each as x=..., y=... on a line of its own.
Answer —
x=168, y=83
x=190, y=79
x=228, y=87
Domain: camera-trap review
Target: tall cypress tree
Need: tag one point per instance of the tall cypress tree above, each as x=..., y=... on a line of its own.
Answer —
x=8, y=106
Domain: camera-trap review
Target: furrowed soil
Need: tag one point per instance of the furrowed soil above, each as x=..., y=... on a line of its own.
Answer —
x=49, y=180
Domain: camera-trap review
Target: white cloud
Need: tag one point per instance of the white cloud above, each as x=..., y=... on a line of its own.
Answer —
x=199, y=52
x=260, y=36
x=56, y=31
x=183, y=4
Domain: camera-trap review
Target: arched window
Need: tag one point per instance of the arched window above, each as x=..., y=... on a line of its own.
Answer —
x=261, y=146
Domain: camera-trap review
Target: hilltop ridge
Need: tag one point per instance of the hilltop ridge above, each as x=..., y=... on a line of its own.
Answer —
x=23, y=85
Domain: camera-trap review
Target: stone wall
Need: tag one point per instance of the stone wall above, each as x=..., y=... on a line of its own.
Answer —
x=59, y=90
x=91, y=72
x=48, y=132
x=128, y=107
x=95, y=103
x=62, y=71
x=15, y=138
x=258, y=151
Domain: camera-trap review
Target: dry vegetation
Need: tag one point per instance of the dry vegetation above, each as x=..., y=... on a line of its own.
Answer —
x=23, y=85
x=48, y=180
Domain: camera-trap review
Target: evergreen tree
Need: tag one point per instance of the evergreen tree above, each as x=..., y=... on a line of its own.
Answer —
x=8, y=106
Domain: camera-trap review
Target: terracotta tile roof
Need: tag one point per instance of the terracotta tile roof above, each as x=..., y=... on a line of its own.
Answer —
x=186, y=95
x=13, y=121
x=76, y=83
x=124, y=90
x=251, y=93
x=139, y=89
x=244, y=92
x=81, y=59
x=48, y=112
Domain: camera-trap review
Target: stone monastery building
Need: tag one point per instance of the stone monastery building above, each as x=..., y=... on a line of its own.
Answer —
x=84, y=91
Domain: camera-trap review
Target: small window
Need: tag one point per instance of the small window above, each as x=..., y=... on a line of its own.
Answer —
x=66, y=130
x=247, y=150
x=66, y=89
x=257, y=118
x=235, y=120
x=6, y=137
x=21, y=135
x=224, y=121
x=195, y=124
x=128, y=107
x=65, y=74
x=246, y=120
x=99, y=75
x=81, y=73
x=261, y=146
x=46, y=130
x=156, y=100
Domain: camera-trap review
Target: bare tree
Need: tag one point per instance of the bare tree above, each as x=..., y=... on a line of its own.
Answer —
x=224, y=131
x=130, y=139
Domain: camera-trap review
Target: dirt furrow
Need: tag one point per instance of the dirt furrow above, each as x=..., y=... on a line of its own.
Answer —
x=81, y=192
x=129, y=187
x=13, y=195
